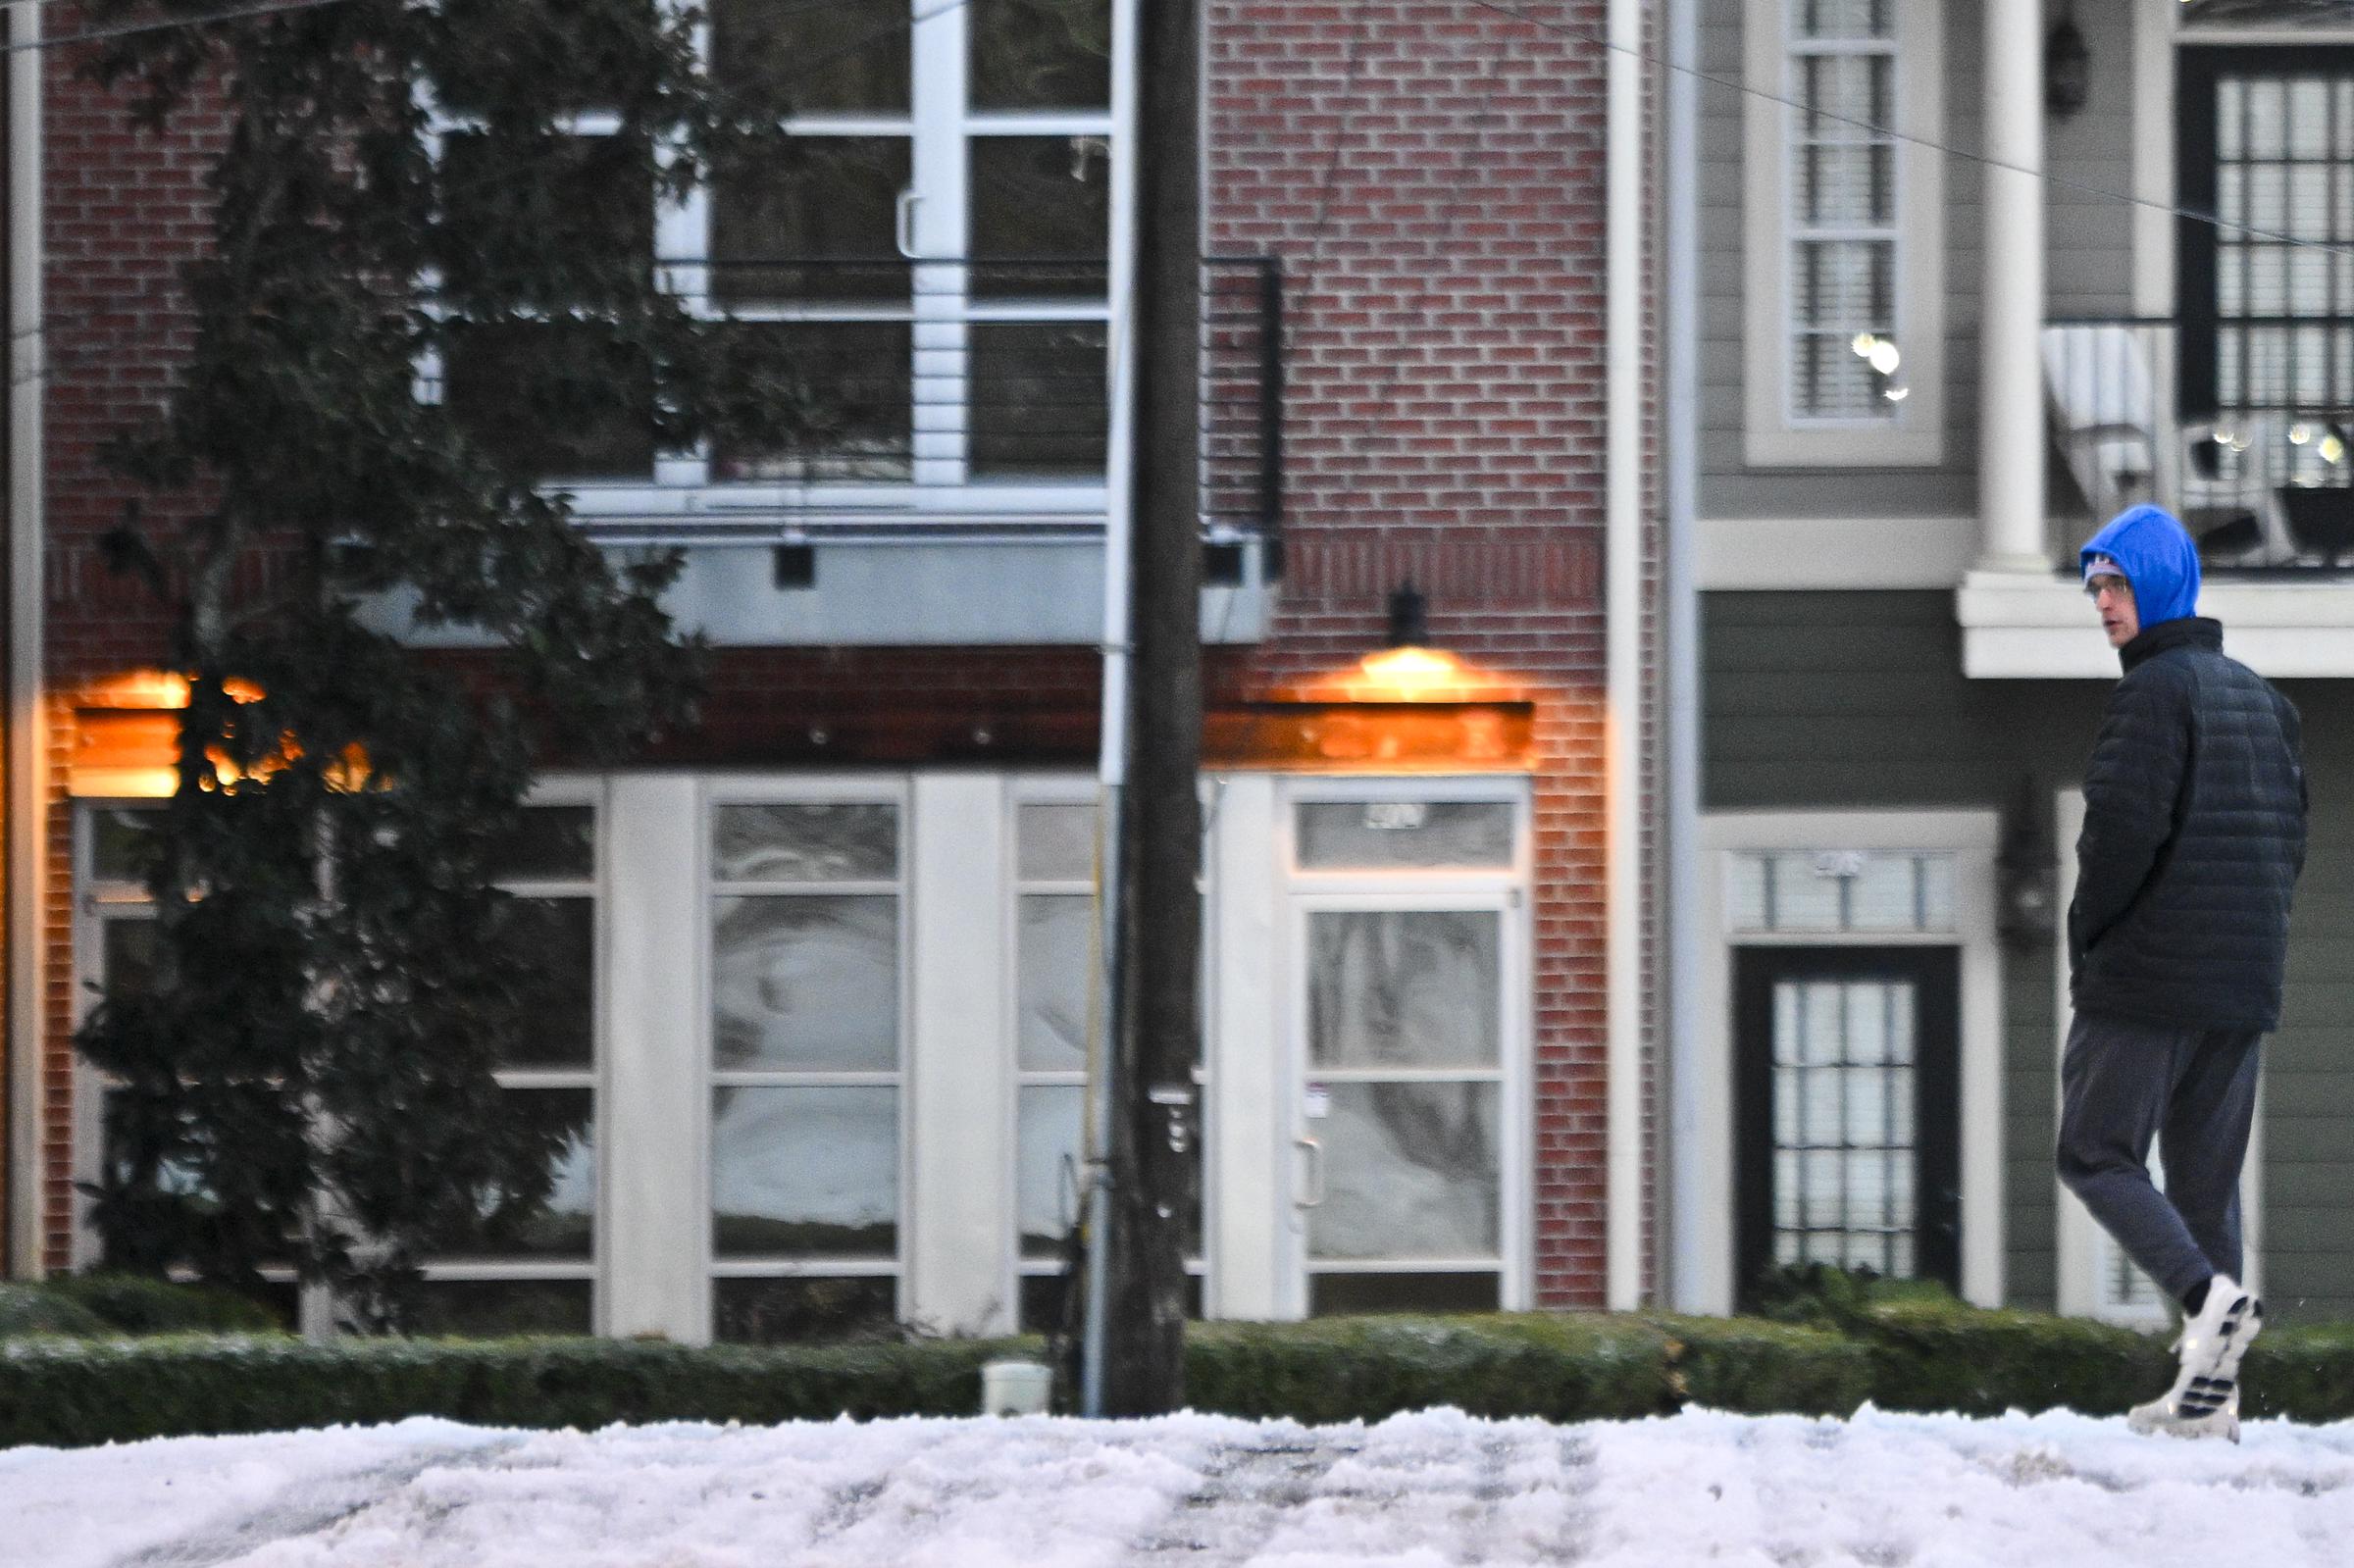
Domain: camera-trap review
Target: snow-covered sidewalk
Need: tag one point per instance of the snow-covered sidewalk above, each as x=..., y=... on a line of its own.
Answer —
x=1417, y=1491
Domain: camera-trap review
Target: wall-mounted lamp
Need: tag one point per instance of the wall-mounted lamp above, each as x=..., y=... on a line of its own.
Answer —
x=1410, y=626
x=2067, y=67
x=1406, y=667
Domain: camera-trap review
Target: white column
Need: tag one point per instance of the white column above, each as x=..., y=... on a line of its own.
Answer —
x=959, y=1059
x=655, y=1242
x=1247, y=1179
x=2011, y=419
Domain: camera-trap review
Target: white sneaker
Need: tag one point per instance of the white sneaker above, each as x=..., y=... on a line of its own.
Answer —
x=2203, y=1401
x=2160, y=1416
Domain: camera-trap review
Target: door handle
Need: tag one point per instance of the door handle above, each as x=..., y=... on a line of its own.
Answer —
x=903, y=223
x=1315, y=1172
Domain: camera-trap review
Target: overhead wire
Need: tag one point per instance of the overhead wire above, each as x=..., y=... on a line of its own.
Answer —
x=1506, y=8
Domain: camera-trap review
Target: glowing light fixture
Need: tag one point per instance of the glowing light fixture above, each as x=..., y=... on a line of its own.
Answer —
x=1406, y=668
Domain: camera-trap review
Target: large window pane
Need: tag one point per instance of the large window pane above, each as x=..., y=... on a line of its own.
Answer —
x=564, y=1224
x=554, y=943
x=822, y=842
x=1045, y=1177
x=499, y=1308
x=553, y=399
x=1336, y=834
x=1042, y=216
x=1338, y=1294
x=1041, y=54
x=790, y=1311
x=593, y=195
x=1412, y=1171
x=120, y=836
x=846, y=402
x=806, y=983
x=1038, y=400
x=1057, y=843
x=805, y=1172
x=1403, y=989
x=1847, y=96
x=1055, y=958
x=830, y=57
x=1843, y=19
x=549, y=843
x=819, y=223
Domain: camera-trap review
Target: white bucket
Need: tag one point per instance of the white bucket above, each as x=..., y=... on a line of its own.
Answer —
x=1015, y=1387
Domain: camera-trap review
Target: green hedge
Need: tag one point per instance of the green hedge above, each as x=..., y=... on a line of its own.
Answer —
x=32, y=1309
x=1754, y=1367
x=1941, y=1355
x=65, y=1392
x=2305, y=1373
x=124, y=1303
x=1347, y=1369
x=1910, y=1354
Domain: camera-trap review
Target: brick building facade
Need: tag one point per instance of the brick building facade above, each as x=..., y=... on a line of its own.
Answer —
x=1432, y=176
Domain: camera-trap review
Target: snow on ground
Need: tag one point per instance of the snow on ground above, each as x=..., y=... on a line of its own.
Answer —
x=1427, y=1491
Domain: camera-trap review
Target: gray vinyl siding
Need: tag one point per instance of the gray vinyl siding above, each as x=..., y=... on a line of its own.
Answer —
x=1856, y=700
x=2088, y=223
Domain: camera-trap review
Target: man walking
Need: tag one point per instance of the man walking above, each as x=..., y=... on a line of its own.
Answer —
x=2194, y=834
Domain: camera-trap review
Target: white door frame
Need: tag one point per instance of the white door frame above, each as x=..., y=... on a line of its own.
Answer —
x=1291, y=891
x=1701, y=1166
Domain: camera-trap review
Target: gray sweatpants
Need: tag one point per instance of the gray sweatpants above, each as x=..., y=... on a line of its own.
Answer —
x=2123, y=1081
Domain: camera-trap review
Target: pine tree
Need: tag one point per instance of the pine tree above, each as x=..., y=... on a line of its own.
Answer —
x=306, y=1075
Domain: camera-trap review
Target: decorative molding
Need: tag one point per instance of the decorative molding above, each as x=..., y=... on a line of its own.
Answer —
x=2033, y=625
x=1701, y=1156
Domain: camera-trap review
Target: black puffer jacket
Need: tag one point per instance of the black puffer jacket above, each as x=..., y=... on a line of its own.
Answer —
x=2194, y=833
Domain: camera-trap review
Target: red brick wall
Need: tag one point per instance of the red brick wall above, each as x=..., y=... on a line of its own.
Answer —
x=1432, y=174
x=122, y=210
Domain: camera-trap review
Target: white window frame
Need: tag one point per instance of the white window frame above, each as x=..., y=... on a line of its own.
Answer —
x=941, y=126
x=1068, y=790
x=796, y=790
x=1772, y=435
x=1700, y=1173
x=565, y=792
x=1505, y=890
x=2085, y=1268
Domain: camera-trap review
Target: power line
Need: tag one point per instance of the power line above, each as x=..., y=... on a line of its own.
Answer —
x=1516, y=12
x=163, y=23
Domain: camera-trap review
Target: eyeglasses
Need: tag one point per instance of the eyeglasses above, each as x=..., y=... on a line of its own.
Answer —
x=2093, y=587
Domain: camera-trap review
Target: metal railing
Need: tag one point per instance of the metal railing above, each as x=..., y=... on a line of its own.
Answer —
x=2243, y=429
x=906, y=376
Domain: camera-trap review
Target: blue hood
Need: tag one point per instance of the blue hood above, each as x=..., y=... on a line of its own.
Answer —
x=2159, y=559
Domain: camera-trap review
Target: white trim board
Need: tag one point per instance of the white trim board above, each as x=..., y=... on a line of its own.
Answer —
x=2082, y=1250
x=1835, y=552
x=2035, y=625
x=1701, y=1151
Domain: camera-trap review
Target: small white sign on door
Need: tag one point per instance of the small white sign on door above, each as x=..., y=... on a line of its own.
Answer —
x=1317, y=1102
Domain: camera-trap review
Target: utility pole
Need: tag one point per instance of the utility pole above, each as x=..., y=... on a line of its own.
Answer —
x=1155, y=1124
